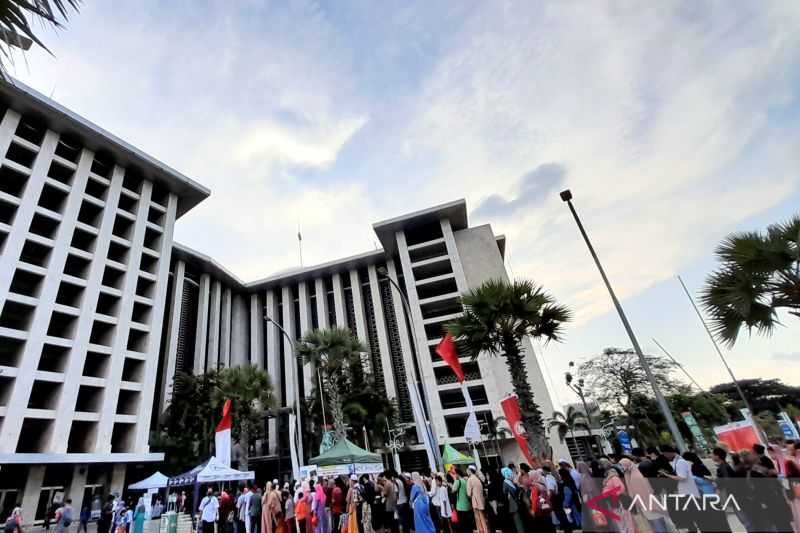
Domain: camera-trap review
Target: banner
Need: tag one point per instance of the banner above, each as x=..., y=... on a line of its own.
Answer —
x=788, y=428
x=738, y=435
x=510, y=405
x=694, y=427
x=448, y=352
x=472, y=431
x=222, y=436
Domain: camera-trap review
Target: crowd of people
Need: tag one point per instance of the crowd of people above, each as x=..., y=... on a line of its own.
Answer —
x=760, y=487
x=644, y=491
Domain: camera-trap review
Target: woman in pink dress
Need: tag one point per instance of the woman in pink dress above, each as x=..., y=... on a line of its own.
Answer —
x=613, y=483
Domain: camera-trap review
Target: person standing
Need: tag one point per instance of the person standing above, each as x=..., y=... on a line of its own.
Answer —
x=267, y=509
x=64, y=516
x=337, y=503
x=420, y=505
x=209, y=506
x=138, y=517
x=477, y=499
x=239, y=526
x=639, y=489
x=512, y=497
x=572, y=498
x=288, y=511
x=686, y=485
x=402, y=499
x=320, y=514
x=106, y=516
x=254, y=510
x=83, y=523
x=389, y=492
x=441, y=499
x=463, y=504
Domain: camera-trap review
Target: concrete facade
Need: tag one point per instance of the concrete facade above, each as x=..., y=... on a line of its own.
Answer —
x=91, y=282
x=86, y=225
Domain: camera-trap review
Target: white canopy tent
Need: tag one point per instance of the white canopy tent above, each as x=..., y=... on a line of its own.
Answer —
x=215, y=471
x=156, y=481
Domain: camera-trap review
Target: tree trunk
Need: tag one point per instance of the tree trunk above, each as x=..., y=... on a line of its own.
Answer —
x=244, y=443
x=339, y=431
x=531, y=415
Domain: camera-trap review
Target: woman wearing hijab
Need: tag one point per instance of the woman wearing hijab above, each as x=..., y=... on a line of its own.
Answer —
x=138, y=517
x=274, y=504
x=613, y=484
x=320, y=512
x=267, y=518
x=541, y=512
x=511, y=492
x=793, y=478
x=421, y=506
x=589, y=488
x=441, y=500
x=640, y=490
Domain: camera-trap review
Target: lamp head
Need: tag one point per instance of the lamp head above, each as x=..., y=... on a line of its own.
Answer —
x=566, y=195
x=383, y=272
x=568, y=377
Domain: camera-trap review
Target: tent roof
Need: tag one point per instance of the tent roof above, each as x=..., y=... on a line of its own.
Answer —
x=156, y=481
x=345, y=452
x=187, y=478
x=216, y=471
x=451, y=456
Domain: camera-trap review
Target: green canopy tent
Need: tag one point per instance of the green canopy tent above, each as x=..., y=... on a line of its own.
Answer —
x=451, y=456
x=347, y=458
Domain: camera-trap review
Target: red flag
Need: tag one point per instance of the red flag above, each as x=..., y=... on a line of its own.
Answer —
x=222, y=436
x=227, y=419
x=511, y=409
x=447, y=351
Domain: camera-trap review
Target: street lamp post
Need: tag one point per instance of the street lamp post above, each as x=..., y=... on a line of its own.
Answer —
x=396, y=442
x=566, y=196
x=297, y=440
x=427, y=424
x=578, y=388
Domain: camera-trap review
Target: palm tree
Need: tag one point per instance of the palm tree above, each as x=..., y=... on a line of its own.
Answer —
x=497, y=317
x=250, y=391
x=15, y=23
x=567, y=423
x=333, y=351
x=760, y=274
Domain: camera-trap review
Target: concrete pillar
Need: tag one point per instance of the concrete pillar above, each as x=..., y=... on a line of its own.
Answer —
x=117, y=483
x=305, y=327
x=257, y=331
x=22, y=219
x=156, y=323
x=322, y=303
x=338, y=301
x=201, y=339
x=212, y=359
x=360, y=324
x=273, y=357
x=290, y=363
x=77, y=485
x=225, y=329
x=383, y=336
x=30, y=496
x=173, y=326
x=239, y=328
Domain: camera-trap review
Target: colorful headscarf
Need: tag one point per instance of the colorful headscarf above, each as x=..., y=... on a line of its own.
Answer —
x=507, y=473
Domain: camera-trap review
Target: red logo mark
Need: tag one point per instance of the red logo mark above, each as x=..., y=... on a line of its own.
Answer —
x=610, y=494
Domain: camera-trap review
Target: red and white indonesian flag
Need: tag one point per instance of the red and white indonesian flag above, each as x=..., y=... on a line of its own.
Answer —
x=510, y=405
x=222, y=438
x=448, y=352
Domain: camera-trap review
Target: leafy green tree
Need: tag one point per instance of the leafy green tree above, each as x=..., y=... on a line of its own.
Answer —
x=568, y=422
x=763, y=394
x=618, y=383
x=497, y=317
x=760, y=274
x=16, y=17
x=333, y=351
x=186, y=429
x=250, y=391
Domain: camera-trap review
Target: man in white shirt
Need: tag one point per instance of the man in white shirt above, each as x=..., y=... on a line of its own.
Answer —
x=208, y=512
x=686, y=487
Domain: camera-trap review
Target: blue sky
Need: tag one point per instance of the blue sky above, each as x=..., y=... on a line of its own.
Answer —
x=673, y=123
